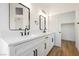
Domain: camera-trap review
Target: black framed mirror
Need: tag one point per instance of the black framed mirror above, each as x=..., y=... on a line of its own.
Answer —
x=42, y=23
x=19, y=17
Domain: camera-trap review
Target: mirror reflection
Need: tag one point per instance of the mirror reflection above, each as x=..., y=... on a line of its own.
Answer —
x=19, y=16
x=42, y=23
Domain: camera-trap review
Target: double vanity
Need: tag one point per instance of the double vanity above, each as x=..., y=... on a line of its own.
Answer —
x=32, y=45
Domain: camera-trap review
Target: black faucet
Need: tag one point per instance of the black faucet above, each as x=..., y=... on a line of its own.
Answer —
x=26, y=33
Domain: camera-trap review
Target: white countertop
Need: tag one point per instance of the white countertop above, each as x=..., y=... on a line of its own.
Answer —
x=11, y=39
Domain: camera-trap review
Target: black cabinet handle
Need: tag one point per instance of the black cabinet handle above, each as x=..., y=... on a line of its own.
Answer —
x=59, y=32
x=52, y=39
x=33, y=53
x=36, y=52
x=45, y=46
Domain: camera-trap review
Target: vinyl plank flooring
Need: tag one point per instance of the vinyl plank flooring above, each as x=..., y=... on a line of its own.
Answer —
x=67, y=49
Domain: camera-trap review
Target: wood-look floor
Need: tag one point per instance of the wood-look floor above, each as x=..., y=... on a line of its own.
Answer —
x=67, y=49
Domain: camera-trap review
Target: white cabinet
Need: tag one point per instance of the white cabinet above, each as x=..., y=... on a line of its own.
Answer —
x=27, y=52
x=40, y=49
x=24, y=49
x=49, y=43
x=36, y=47
x=46, y=50
x=57, y=39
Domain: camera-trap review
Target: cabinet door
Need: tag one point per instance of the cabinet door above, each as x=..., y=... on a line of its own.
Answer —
x=26, y=52
x=40, y=48
x=25, y=48
x=35, y=47
x=47, y=46
x=51, y=40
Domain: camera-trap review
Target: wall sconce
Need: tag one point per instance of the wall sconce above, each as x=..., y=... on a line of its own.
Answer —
x=78, y=23
x=43, y=11
x=36, y=22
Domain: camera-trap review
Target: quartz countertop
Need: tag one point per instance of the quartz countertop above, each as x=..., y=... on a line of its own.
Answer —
x=12, y=39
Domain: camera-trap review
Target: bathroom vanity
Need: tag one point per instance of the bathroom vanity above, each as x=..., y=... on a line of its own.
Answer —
x=33, y=45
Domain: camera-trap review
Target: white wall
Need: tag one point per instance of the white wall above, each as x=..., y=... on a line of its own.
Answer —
x=67, y=17
x=4, y=17
x=4, y=21
x=56, y=20
x=54, y=26
x=34, y=17
x=35, y=12
x=4, y=26
x=68, y=32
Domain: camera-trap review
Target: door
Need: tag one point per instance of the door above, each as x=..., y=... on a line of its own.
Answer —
x=77, y=35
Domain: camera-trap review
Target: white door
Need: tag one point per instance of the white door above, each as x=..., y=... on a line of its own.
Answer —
x=68, y=32
x=77, y=35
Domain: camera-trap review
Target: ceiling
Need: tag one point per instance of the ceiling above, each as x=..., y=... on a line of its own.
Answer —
x=55, y=8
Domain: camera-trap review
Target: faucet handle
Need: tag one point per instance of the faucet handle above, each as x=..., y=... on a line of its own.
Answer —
x=27, y=33
x=21, y=33
x=24, y=33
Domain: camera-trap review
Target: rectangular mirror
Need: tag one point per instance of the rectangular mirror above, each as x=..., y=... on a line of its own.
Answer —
x=19, y=16
x=42, y=22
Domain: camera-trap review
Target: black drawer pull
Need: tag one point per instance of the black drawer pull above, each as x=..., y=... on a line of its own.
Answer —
x=52, y=39
x=33, y=53
x=45, y=46
x=36, y=52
